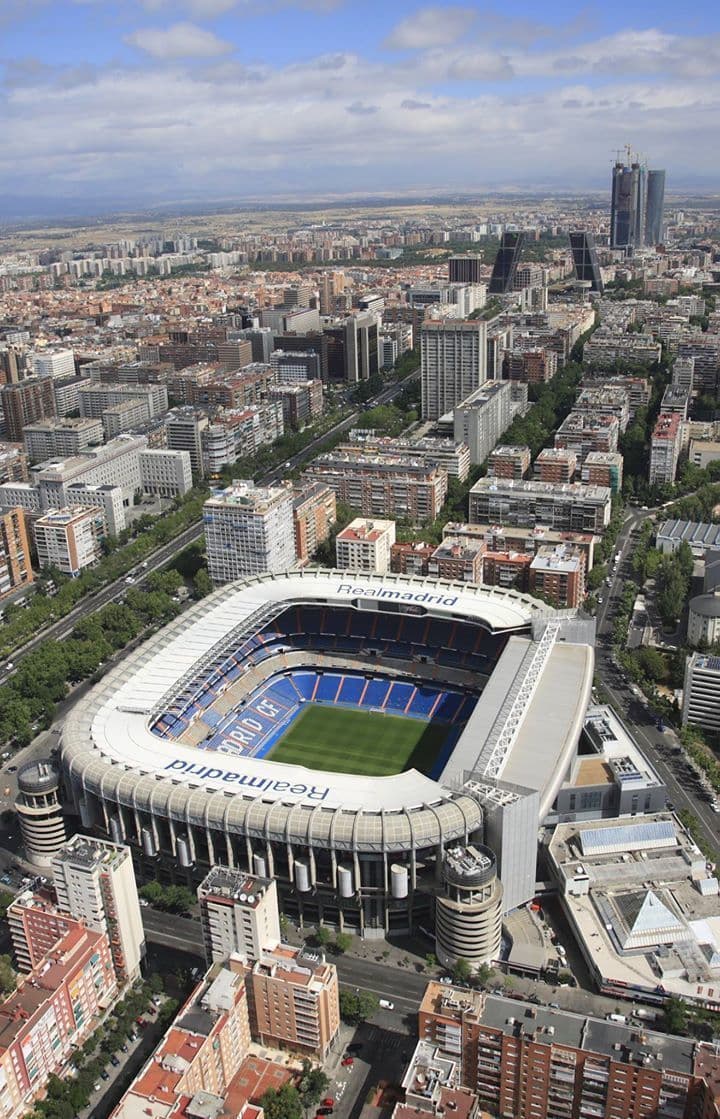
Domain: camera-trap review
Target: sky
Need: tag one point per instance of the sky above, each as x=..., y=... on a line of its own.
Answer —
x=152, y=101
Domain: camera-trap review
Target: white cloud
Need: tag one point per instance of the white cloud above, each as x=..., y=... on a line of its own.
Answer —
x=182, y=40
x=431, y=27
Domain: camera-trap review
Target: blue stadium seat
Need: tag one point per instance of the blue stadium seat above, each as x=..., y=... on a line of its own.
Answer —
x=327, y=688
x=351, y=690
x=375, y=693
x=399, y=695
x=424, y=701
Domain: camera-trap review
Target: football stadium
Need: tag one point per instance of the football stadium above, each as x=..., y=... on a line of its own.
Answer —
x=338, y=732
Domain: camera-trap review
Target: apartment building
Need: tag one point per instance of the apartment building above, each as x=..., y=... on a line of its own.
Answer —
x=128, y=415
x=555, y=464
x=117, y=463
x=459, y=562
x=295, y=365
x=607, y=348
x=301, y=401
x=535, y=366
x=95, y=882
x=24, y=403
x=446, y=454
x=382, y=487
x=665, y=447
x=529, y=1061
x=239, y=432
x=516, y=538
x=365, y=545
x=582, y=433
x=249, y=530
x=482, y=418
x=63, y=436
x=609, y=400
x=506, y=569
x=453, y=364
x=314, y=514
x=293, y=1000
x=53, y=1010
x=249, y=387
x=557, y=572
x=15, y=566
x=701, y=692
x=507, y=461
x=410, y=559
x=567, y=507
x=13, y=463
x=69, y=539
x=96, y=398
x=193, y=1067
x=238, y=913
x=603, y=468
x=52, y=363
x=165, y=473
x=66, y=391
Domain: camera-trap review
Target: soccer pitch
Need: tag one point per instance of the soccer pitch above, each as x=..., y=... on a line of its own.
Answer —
x=347, y=741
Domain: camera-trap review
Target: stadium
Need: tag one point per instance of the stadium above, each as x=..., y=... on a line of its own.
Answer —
x=337, y=732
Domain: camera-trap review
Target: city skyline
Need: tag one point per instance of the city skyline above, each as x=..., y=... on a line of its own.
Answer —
x=145, y=102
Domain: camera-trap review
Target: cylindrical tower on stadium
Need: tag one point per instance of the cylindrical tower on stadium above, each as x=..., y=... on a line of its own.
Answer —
x=42, y=825
x=468, y=914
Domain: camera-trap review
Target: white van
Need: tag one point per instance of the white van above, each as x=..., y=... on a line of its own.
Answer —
x=386, y=1004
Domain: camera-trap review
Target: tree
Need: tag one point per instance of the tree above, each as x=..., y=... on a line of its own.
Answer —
x=484, y=974
x=653, y=664
x=322, y=936
x=156, y=983
x=675, y=1013
x=313, y=1083
x=7, y=974
x=283, y=1103
x=357, y=1007
x=431, y=960
x=343, y=942
x=202, y=583
x=461, y=970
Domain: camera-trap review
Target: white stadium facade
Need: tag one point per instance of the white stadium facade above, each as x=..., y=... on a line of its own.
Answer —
x=168, y=752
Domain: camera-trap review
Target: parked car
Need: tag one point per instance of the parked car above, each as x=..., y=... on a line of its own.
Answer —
x=105, y=1074
x=114, y=1061
x=386, y=1004
x=329, y=1101
x=348, y=1062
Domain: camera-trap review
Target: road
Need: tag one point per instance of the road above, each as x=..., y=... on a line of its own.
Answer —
x=632, y=706
x=158, y=559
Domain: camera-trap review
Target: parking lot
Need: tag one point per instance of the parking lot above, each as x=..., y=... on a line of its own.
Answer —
x=381, y=1050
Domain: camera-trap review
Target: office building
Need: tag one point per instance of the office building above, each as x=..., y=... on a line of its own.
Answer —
x=665, y=447
x=314, y=514
x=64, y=436
x=466, y=268
x=585, y=260
x=654, y=227
x=95, y=882
x=353, y=347
x=52, y=363
x=194, y=1066
x=603, y=468
x=15, y=566
x=390, y=486
x=507, y=461
x=69, y=539
x=248, y=531
x=530, y=1062
x=558, y=574
x=293, y=1000
x=453, y=364
x=24, y=403
x=238, y=913
x=295, y=365
x=704, y=619
x=704, y=451
x=365, y=546
x=628, y=206
x=568, y=507
x=701, y=692
x=609, y=777
x=165, y=473
x=468, y=910
x=506, y=261
x=39, y=811
x=555, y=464
x=481, y=420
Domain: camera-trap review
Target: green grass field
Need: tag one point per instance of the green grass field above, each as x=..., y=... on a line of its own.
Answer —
x=346, y=741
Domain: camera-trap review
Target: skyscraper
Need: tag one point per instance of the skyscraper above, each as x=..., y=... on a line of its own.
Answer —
x=248, y=531
x=453, y=363
x=506, y=261
x=654, y=208
x=585, y=260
